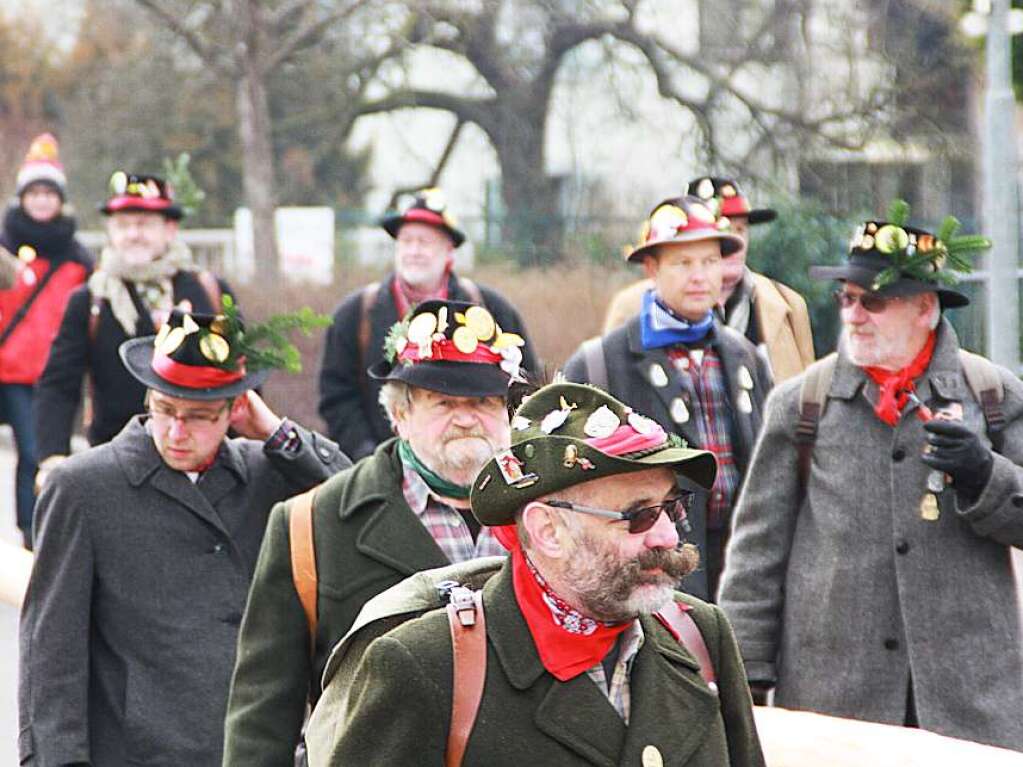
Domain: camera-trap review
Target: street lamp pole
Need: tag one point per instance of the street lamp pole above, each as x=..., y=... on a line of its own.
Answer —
x=1001, y=196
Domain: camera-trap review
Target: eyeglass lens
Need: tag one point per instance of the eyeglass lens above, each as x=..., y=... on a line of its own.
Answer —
x=871, y=302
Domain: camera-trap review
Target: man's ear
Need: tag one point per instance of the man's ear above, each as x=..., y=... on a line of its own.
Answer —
x=650, y=266
x=545, y=530
x=238, y=404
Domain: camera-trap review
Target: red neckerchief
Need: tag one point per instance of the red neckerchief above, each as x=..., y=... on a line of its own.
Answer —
x=408, y=296
x=567, y=641
x=896, y=386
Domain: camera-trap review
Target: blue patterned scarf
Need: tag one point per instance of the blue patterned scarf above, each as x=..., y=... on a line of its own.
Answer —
x=660, y=327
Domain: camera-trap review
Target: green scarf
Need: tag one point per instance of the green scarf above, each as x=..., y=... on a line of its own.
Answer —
x=434, y=481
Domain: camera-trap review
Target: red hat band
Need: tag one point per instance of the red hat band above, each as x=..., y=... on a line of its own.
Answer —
x=194, y=376
x=133, y=202
x=423, y=216
x=446, y=351
x=735, y=206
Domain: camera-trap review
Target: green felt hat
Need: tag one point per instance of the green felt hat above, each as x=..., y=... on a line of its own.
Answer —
x=567, y=434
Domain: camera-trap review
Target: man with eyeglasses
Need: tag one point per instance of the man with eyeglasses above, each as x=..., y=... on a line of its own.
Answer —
x=145, y=549
x=446, y=380
x=425, y=237
x=585, y=660
x=678, y=362
x=144, y=272
x=869, y=573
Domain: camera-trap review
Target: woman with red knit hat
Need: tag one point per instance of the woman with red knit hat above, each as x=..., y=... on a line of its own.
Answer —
x=39, y=239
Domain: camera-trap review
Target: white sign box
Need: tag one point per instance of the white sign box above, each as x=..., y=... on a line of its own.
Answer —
x=305, y=243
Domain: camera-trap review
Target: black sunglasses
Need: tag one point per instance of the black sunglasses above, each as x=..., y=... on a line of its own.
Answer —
x=871, y=302
x=640, y=520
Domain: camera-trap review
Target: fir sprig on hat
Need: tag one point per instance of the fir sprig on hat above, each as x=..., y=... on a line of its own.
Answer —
x=941, y=259
x=264, y=345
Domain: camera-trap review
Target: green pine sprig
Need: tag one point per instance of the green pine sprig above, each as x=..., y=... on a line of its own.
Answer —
x=266, y=345
x=398, y=332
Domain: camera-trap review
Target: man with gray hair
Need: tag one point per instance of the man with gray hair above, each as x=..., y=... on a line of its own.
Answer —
x=868, y=574
x=403, y=509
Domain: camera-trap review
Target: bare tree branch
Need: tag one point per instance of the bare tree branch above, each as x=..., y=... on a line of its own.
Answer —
x=478, y=111
x=193, y=40
x=308, y=34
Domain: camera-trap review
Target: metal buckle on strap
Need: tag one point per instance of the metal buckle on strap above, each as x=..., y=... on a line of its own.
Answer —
x=462, y=599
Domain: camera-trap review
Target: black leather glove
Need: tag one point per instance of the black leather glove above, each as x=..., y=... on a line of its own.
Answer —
x=956, y=449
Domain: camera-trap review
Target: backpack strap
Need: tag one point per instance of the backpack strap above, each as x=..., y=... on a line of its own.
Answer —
x=682, y=626
x=472, y=290
x=303, y=558
x=469, y=652
x=985, y=382
x=596, y=364
x=813, y=398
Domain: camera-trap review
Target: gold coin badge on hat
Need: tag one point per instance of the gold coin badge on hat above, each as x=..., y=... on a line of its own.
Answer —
x=27, y=254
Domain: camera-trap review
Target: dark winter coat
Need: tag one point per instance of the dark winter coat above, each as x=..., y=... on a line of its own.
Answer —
x=75, y=359
x=842, y=597
x=27, y=346
x=130, y=622
x=634, y=375
x=348, y=397
x=399, y=712
x=366, y=539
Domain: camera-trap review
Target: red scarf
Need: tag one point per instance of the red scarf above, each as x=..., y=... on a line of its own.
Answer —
x=896, y=386
x=567, y=641
x=407, y=296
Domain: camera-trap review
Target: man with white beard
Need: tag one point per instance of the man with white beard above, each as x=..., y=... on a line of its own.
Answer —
x=868, y=573
x=403, y=509
x=425, y=238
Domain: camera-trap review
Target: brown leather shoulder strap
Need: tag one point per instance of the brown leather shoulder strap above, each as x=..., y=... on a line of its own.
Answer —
x=680, y=623
x=303, y=557
x=472, y=290
x=211, y=286
x=469, y=649
x=369, y=296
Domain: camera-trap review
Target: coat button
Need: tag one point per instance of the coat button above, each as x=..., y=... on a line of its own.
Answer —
x=651, y=757
x=324, y=452
x=1017, y=501
x=233, y=619
x=902, y=547
x=891, y=644
x=898, y=454
x=219, y=548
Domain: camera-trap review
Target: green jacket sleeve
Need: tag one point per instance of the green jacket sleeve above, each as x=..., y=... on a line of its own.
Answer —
x=272, y=672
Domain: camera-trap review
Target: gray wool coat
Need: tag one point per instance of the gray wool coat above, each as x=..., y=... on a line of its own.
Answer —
x=130, y=622
x=844, y=598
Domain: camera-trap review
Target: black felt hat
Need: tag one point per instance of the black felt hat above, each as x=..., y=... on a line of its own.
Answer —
x=191, y=357
x=893, y=259
x=451, y=347
x=731, y=201
x=429, y=206
x=140, y=193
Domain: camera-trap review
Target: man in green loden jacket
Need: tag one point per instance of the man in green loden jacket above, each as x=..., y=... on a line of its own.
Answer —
x=403, y=509
x=584, y=664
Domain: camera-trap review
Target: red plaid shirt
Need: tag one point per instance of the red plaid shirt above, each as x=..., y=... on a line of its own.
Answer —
x=701, y=377
x=445, y=524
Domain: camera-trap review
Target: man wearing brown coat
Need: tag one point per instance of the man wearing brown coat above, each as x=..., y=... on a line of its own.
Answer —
x=584, y=661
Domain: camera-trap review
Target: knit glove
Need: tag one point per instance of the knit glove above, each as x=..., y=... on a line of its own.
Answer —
x=954, y=448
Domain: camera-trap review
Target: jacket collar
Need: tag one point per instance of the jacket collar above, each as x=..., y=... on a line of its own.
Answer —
x=665, y=678
x=771, y=308
x=139, y=460
x=391, y=532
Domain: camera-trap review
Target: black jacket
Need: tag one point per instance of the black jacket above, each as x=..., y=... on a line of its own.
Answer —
x=631, y=377
x=348, y=397
x=116, y=394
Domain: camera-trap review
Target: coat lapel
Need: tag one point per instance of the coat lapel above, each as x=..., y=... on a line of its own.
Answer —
x=772, y=311
x=141, y=462
x=645, y=363
x=672, y=708
x=574, y=713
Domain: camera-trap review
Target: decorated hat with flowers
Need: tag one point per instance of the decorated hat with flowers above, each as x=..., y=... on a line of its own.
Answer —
x=454, y=348
x=428, y=206
x=566, y=434
x=684, y=219
x=730, y=200
x=207, y=357
x=893, y=259
x=134, y=192
x=42, y=166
